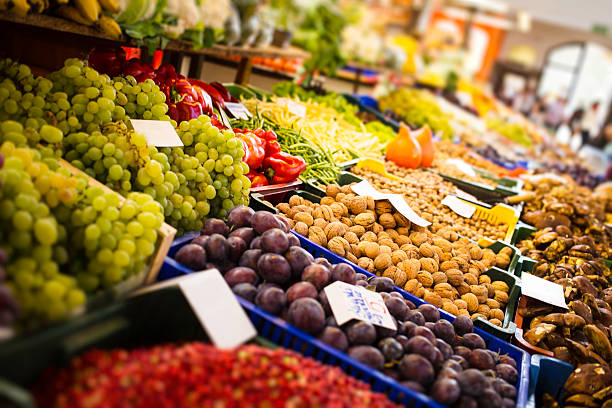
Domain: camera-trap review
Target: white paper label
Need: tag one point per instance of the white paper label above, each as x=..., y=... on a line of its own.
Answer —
x=217, y=309
x=462, y=166
x=403, y=208
x=350, y=302
x=364, y=188
x=225, y=120
x=159, y=133
x=238, y=110
x=542, y=290
x=294, y=107
x=459, y=206
x=207, y=100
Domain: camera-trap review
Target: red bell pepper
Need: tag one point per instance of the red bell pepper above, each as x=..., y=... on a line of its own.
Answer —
x=107, y=60
x=188, y=110
x=222, y=91
x=210, y=90
x=283, y=167
x=270, y=141
x=257, y=179
x=254, y=150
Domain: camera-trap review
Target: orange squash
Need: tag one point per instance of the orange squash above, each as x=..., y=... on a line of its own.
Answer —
x=424, y=137
x=404, y=150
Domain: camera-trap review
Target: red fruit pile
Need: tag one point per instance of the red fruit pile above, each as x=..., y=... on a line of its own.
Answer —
x=200, y=375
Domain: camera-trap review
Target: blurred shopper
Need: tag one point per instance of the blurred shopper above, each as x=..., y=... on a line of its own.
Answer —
x=524, y=101
x=554, y=112
x=607, y=132
x=589, y=123
x=538, y=112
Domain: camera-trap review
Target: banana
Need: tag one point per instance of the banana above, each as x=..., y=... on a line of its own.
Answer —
x=19, y=7
x=71, y=13
x=112, y=6
x=90, y=9
x=38, y=6
x=109, y=26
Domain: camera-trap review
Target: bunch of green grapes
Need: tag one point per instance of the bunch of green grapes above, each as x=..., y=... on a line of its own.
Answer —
x=75, y=98
x=63, y=238
x=417, y=108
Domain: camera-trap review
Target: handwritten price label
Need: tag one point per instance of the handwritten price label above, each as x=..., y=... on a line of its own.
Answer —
x=350, y=302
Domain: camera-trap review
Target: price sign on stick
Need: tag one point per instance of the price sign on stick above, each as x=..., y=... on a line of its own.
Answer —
x=542, y=290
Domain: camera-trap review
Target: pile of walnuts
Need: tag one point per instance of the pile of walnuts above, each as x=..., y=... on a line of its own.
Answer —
x=442, y=268
x=425, y=191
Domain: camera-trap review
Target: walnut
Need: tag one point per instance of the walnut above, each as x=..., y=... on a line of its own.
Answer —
x=283, y=207
x=391, y=233
x=444, y=244
x=446, y=256
x=346, y=200
x=418, y=238
x=463, y=312
x=326, y=212
x=496, y=314
x=490, y=289
x=376, y=228
x=439, y=277
x=426, y=250
x=502, y=261
x=296, y=200
x=357, y=230
x=304, y=217
x=387, y=242
x=476, y=252
x=387, y=220
x=454, y=276
x=301, y=228
x=337, y=209
x=351, y=237
x=398, y=256
x=501, y=286
x=433, y=298
x=460, y=303
x=425, y=278
x=382, y=207
x=446, y=265
x=403, y=231
x=483, y=309
x=412, y=286
x=411, y=267
x=411, y=251
x=365, y=263
x=501, y=297
x=305, y=208
x=366, y=220
x=335, y=229
x=402, y=240
x=382, y=261
x=371, y=203
x=480, y=266
x=352, y=258
x=444, y=290
x=321, y=223
x=401, y=221
x=340, y=196
x=429, y=264
x=482, y=279
x=493, y=304
x=463, y=289
x=358, y=205
x=317, y=235
x=470, y=279
x=496, y=322
x=370, y=249
x=385, y=250
x=398, y=276
x=481, y=293
x=336, y=246
x=346, y=221
x=475, y=316
x=464, y=266
x=472, y=302
x=355, y=250
x=488, y=255
x=332, y=190
x=450, y=307
x=327, y=201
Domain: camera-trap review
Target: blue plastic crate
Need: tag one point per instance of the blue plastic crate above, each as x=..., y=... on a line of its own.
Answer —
x=548, y=375
x=275, y=329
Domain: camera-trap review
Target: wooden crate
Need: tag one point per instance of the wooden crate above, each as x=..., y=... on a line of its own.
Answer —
x=165, y=233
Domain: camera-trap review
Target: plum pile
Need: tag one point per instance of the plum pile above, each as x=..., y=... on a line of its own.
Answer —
x=264, y=263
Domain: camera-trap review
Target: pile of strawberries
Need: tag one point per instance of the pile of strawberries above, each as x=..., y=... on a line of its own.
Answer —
x=200, y=375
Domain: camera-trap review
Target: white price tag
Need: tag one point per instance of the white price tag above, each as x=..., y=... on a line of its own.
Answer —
x=159, y=133
x=294, y=107
x=459, y=206
x=217, y=309
x=542, y=290
x=403, y=208
x=462, y=166
x=238, y=110
x=364, y=188
x=350, y=302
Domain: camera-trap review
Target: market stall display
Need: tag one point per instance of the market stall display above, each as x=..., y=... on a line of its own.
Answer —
x=381, y=249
